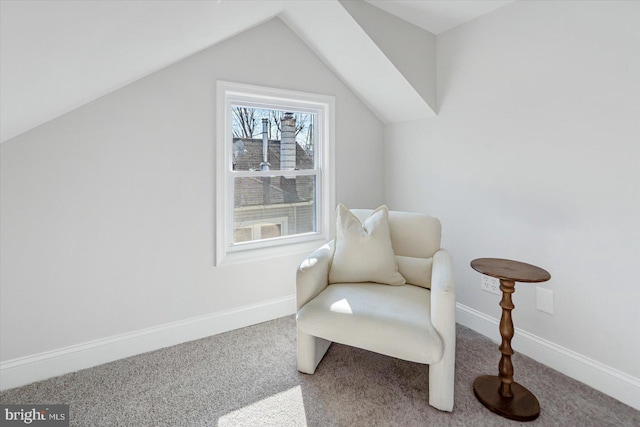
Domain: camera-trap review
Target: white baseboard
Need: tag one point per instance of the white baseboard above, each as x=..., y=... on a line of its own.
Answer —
x=25, y=370
x=608, y=380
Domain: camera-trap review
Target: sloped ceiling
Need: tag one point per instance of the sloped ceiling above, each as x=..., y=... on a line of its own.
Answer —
x=438, y=16
x=58, y=55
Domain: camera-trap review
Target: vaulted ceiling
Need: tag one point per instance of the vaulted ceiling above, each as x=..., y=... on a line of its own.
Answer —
x=58, y=55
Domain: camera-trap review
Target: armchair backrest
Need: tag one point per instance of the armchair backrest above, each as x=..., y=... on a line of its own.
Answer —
x=415, y=238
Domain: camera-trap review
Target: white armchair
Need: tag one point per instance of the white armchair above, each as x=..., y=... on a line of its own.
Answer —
x=414, y=321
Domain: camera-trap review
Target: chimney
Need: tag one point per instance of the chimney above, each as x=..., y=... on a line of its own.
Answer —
x=288, y=142
x=265, y=146
x=266, y=199
x=288, y=157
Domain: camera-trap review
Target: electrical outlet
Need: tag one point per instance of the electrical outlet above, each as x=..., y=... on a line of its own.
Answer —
x=490, y=284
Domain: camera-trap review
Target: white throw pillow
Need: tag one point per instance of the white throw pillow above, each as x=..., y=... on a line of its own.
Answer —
x=363, y=252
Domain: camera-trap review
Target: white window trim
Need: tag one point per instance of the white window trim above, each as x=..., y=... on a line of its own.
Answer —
x=226, y=252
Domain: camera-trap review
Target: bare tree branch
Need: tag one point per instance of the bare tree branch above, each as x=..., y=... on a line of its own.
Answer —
x=245, y=123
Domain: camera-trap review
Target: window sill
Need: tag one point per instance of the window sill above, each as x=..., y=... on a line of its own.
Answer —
x=258, y=254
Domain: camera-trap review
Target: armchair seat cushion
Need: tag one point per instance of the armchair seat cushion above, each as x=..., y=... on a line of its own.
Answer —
x=391, y=320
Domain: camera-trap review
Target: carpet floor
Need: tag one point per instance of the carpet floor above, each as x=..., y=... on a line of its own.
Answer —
x=248, y=377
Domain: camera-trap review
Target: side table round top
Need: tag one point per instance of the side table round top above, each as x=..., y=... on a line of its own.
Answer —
x=501, y=394
x=510, y=270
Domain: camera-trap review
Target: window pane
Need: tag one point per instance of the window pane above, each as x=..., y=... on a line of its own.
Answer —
x=243, y=234
x=289, y=139
x=273, y=206
x=267, y=231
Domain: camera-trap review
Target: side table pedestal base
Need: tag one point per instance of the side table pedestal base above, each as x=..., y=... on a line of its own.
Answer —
x=523, y=406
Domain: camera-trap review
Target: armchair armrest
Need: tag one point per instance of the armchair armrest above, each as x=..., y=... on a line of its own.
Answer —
x=442, y=273
x=313, y=274
x=443, y=296
x=443, y=319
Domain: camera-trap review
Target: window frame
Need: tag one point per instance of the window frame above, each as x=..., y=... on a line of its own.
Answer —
x=229, y=93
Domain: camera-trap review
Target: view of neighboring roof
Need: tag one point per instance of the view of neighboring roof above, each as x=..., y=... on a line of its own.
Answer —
x=255, y=191
x=248, y=155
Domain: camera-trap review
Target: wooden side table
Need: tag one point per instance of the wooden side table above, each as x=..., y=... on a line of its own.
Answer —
x=500, y=393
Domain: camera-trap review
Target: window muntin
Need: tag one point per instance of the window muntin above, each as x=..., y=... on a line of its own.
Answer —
x=275, y=188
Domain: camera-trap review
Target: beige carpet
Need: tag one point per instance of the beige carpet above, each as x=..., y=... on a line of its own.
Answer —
x=248, y=377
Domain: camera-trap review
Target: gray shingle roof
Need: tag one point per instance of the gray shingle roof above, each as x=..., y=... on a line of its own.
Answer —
x=251, y=157
x=249, y=191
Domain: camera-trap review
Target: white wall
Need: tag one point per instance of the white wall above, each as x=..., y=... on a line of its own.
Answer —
x=108, y=211
x=535, y=156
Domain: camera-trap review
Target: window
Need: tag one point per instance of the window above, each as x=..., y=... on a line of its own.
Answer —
x=274, y=171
